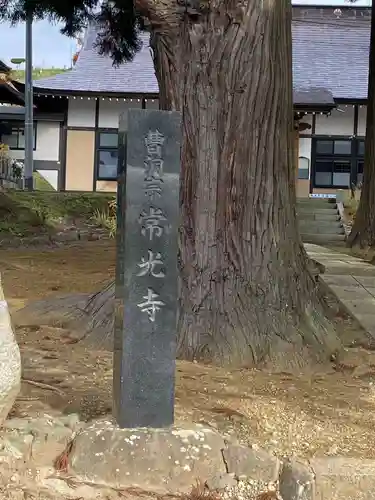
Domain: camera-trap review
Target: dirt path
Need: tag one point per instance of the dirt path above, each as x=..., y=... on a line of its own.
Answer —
x=313, y=414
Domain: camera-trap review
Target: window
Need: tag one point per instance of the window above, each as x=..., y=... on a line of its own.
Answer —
x=13, y=135
x=107, y=155
x=303, y=167
x=333, y=163
x=342, y=147
x=107, y=164
x=361, y=148
x=108, y=140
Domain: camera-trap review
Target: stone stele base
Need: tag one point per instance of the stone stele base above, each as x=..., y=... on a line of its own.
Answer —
x=171, y=460
x=158, y=460
x=96, y=460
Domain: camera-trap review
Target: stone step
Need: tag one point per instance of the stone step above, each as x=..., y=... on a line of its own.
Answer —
x=322, y=239
x=321, y=228
x=312, y=216
x=315, y=202
x=319, y=221
x=312, y=210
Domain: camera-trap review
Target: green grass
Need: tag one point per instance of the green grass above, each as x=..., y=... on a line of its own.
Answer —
x=19, y=74
x=23, y=213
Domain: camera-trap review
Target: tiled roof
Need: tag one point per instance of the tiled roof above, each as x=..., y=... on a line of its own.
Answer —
x=333, y=55
x=329, y=55
x=95, y=73
x=12, y=110
x=8, y=94
x=312, y=96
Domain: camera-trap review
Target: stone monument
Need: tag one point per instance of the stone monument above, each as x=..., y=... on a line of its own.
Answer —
x=10, y=361
x=146, y=268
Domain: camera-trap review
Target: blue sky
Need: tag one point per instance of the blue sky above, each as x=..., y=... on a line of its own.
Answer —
x=51, y=49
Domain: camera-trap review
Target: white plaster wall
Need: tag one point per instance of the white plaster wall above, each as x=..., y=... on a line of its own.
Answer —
x=51, y=176
x=307, y=119
x=338, y=123
x=47, y=142
x=110, y=110
x=81, y=112
x=304, y=151
x=362, y=112
x=305, y=147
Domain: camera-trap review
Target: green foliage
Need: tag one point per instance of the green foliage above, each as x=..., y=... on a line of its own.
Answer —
x=23, y=213
x=106, y=218
x=351, y=201
x=102, y=218
x=17, y=170
x=112, y=207
x=17, y=60
x=118, y=21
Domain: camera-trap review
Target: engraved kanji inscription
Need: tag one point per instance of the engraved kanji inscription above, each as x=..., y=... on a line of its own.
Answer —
x=154, y=141
x=151, y=305
x=152, y=265
x=153, y=164
x=153, y=169
x=153, y=189
x=152, y=222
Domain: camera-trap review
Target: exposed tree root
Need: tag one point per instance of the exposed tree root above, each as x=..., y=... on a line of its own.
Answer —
x=43, y=386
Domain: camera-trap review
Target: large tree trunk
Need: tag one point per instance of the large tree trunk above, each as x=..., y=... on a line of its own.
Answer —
x=246, y=295
x=363, y=232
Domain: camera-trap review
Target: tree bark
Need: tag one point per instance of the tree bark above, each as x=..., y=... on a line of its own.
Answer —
x=363, y=231
x=247, y=296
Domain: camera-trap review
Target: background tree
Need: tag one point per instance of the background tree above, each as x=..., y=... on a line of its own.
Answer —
x=363, y=231
x=247, y=296
x=17, y=61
